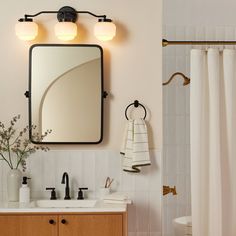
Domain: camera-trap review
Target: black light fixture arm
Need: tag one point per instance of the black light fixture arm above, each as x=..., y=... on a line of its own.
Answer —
x=28, y=17
x=41, y=12
x=63, y=11
x=92, y=14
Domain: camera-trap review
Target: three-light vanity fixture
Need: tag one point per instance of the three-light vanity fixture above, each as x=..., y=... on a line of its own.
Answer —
x=66, y=28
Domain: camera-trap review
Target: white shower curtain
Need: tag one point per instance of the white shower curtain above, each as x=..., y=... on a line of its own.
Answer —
x=213, y=142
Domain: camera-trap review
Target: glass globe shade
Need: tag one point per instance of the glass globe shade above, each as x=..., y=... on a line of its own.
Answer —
x=105, y=30
x=26, y=30
x=65, y=30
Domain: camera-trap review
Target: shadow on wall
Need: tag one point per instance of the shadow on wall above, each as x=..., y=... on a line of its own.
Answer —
x=82, y=35
x=122, y=33
x=107, y=88
x=42, y=34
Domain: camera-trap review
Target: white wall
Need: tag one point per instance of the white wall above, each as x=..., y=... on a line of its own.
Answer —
x=132, y=60
x=132, y=71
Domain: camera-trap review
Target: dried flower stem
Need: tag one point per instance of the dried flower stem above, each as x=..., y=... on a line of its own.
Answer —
x=21, y=147
x=3, y=158
x=9, y=153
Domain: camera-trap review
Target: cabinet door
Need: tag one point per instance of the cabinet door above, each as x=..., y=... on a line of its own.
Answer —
x=30, y=225
x=91, y=225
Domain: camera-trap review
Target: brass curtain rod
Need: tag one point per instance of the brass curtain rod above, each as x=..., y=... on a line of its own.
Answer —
x=166, y=42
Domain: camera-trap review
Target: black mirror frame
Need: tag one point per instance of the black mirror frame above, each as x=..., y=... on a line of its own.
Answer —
x=28, y=93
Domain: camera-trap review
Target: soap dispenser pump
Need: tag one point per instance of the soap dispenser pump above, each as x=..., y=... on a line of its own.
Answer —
x=25, y=191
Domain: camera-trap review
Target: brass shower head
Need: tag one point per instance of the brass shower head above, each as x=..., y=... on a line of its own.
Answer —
x=186, y=79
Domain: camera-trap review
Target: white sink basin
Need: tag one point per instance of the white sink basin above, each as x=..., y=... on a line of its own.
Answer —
x=65, y=203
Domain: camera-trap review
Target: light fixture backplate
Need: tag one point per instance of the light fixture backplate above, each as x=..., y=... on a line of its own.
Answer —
x=68, y=14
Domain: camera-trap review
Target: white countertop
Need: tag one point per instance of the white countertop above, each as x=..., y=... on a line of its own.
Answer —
x=15, y=207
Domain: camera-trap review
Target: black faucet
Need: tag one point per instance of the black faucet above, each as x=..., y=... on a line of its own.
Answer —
x=67, y=188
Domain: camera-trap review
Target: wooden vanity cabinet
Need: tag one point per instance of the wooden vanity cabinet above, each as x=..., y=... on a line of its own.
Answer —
x=59, y=224
x=28, y=225
x=91, y=225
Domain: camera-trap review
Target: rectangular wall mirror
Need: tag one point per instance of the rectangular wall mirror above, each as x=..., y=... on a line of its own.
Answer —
x=66, y=93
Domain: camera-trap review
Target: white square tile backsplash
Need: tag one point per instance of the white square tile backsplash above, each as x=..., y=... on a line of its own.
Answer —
x=90, y=168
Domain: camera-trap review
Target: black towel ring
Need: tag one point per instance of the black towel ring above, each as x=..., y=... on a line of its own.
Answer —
x=136, y=103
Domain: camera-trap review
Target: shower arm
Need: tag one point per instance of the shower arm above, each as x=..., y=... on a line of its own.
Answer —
x=186, y=79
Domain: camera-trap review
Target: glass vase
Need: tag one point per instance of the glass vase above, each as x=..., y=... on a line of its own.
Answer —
x=14, y=177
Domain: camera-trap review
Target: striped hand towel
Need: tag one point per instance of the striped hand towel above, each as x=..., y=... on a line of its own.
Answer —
x=134, y=149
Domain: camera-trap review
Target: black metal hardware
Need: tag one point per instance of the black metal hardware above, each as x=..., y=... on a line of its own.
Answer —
x=65, y=180
x=30, y=103
x=80, y=193
x=53, y=193
x=136, y=103
x=51, y=222
x=104, y=94
x=27, y=93
x=25, y=178
x=65, y=13
x=63, y=221
x=104, y=20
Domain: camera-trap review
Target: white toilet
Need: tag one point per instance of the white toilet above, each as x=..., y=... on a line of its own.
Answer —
x=182, y=226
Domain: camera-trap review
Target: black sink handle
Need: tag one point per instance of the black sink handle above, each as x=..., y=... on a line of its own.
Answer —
x=53, y=193
x=80, y=193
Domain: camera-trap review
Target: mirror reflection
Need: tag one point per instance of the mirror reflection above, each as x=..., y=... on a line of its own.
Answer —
x=66, y=92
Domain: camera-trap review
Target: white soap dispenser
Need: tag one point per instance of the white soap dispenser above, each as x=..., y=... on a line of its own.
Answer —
x=24, y=191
